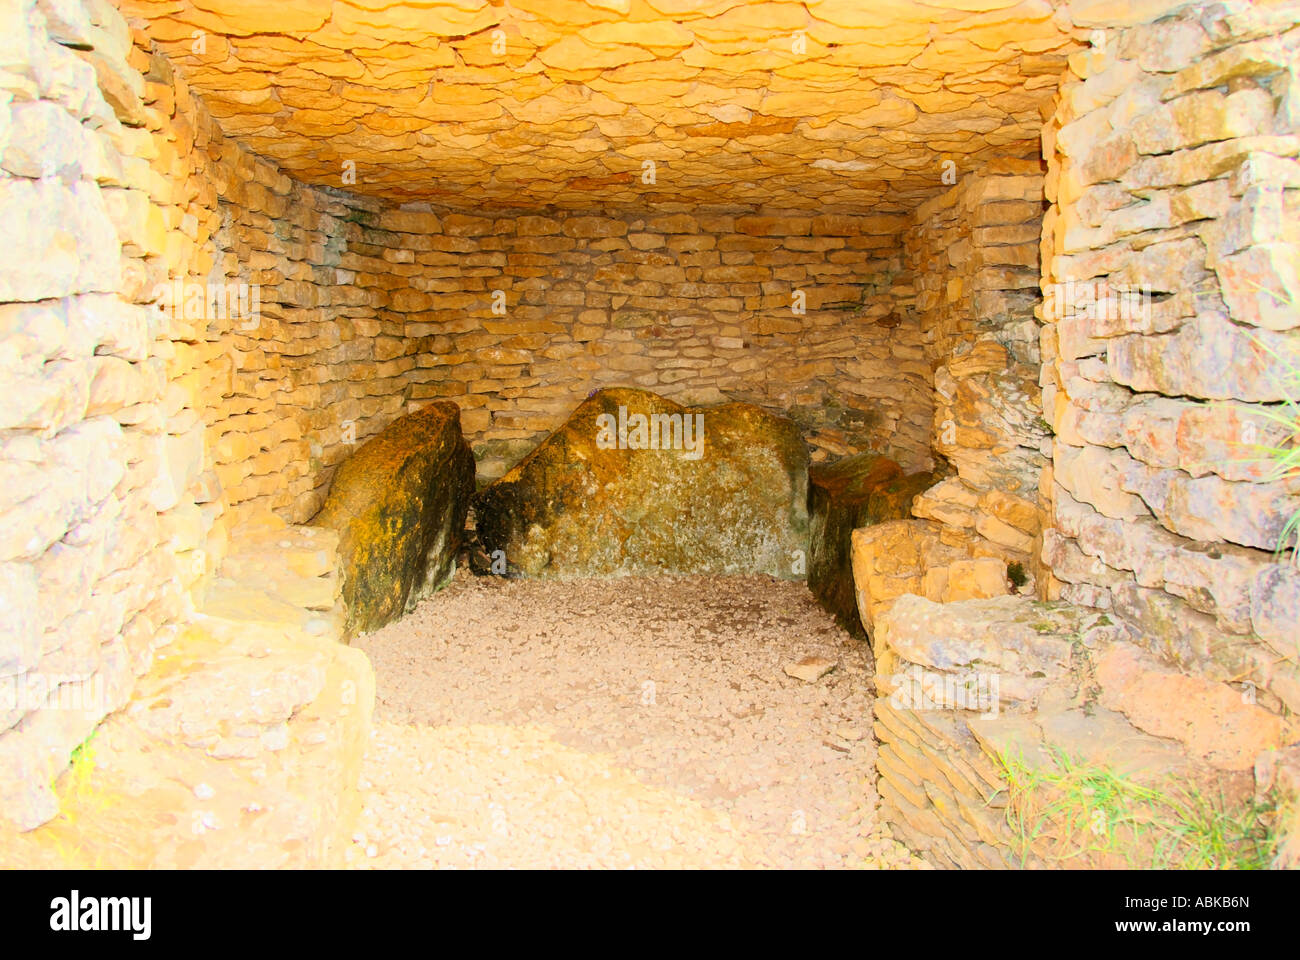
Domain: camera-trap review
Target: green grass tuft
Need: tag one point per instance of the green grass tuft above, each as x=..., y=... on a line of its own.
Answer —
x=1283, y=460
x=1016, y=574
x=1079, y=815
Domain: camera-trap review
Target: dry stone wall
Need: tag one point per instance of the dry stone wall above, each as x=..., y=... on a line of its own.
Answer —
x=1163, y=646
x=941, y=794
x=518, y=318
x=194, y=339
x=1172, y=305
x=98, y=453
x=146, y=420
x=367, y=311
x=309, y=378
x=972, y=258
x=140, y=411
x=973, y=254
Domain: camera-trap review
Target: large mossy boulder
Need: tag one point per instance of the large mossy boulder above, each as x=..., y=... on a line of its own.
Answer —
x=857, y=491
x=634, y=483
x=399, y=506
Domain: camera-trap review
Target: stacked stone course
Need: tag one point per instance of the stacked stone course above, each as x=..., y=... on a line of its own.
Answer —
x=1088, y=350
x=1172, y=168
x=1168, y=319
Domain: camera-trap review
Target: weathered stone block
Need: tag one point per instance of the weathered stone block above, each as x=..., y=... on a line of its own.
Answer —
x=399, y=505
x=1212, y=719
x=635, y=483
x=854, y=492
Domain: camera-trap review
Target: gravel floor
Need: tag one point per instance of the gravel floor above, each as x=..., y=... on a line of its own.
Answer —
x=639, y=722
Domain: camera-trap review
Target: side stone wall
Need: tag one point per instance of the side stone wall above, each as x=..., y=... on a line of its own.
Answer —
x=99, y=452
x=974, y=256
x=143, y=420
x=1162, y=646
x=1172, y=307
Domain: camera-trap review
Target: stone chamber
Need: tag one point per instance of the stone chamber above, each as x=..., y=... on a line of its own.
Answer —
x=987, y=310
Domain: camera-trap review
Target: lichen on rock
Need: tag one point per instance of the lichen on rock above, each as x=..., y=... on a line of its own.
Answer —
x=635, y=483
x=399, y=506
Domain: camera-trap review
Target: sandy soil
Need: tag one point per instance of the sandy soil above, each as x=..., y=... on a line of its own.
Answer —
x=642, y=722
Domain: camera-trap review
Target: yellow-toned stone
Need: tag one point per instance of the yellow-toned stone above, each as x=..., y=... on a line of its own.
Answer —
x=252, y=16
x=823, y=103
x=655, y=35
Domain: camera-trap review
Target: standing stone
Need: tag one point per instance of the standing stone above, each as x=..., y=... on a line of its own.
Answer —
x=636, y=484
x=399, y=506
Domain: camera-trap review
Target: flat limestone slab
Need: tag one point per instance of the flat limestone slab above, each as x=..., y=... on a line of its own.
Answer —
x=241, y=749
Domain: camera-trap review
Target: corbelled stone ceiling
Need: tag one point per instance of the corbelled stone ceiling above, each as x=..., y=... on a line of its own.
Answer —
x=624, y=103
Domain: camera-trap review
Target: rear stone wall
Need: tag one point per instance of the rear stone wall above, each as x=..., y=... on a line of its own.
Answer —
x=370, y=311
x=517, y=318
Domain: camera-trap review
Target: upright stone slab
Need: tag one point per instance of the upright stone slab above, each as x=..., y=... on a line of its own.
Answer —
x=636, y=484
x=854, y=492
x=399, y=506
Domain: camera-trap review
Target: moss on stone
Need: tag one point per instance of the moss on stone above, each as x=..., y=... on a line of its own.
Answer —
x=399, y=506
x=578, y=508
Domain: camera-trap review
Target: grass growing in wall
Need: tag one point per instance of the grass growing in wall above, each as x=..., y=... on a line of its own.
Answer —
x=80, y=769
x=1283, y=460
x=76, y=795
x=1078, y=814
x=1016, y=574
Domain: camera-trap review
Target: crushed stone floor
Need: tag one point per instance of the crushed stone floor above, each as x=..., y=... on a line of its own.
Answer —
x=637, y=722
